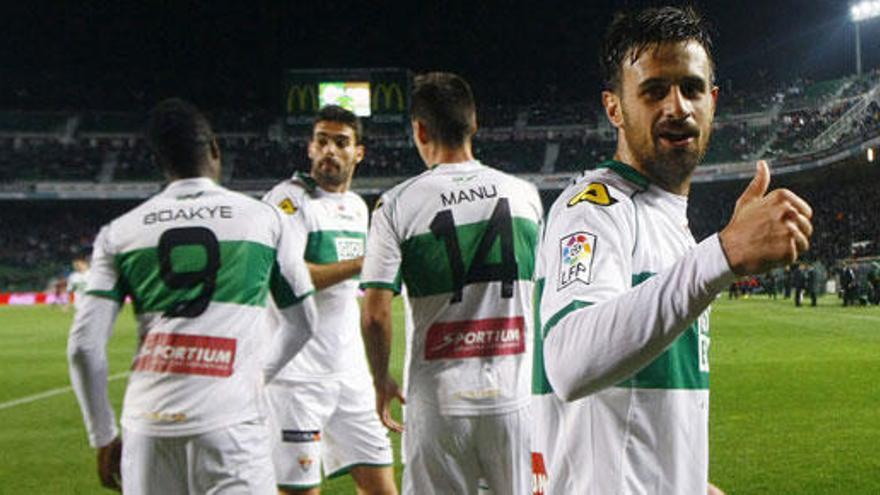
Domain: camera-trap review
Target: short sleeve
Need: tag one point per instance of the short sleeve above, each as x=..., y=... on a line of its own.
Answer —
x=103, y=279
x=382, y=260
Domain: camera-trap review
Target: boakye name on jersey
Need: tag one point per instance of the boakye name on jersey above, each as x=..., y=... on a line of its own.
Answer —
x=198, y=262
x=461, y=238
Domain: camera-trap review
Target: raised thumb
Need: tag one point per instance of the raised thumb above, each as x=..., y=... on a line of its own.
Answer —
x=759, y=184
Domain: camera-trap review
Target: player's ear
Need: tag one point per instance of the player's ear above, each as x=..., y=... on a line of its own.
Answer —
x=714, y=93
x=613, y=110
x=359, y=151
x=215, y=149
x=420, y=132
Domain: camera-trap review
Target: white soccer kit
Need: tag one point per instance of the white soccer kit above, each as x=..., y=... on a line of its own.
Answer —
x=323, y=400
x=198, y=262
x=624, y=293
x=462, y=238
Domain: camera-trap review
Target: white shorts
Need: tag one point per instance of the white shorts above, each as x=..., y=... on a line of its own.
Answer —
x=450, y=454
x=230, y=461
x=330, y=424
x=560, y=445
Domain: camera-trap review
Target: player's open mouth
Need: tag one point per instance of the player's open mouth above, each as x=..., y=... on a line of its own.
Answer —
x=677, y=140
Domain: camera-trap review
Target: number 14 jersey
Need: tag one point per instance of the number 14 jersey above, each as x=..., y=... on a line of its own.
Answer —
x=462, y=238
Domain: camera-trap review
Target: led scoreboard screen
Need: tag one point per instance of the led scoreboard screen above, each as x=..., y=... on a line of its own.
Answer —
x=352, y=96
x=380, y=96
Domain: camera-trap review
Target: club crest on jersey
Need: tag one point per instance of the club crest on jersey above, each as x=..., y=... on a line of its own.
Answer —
x=287, y=206
x=576, y=258
x=596, y=193
x=305, y=462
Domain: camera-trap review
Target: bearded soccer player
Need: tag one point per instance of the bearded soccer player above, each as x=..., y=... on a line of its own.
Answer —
x=622, y=395
x=323, y=401
x=461, y=237
x=198, y=262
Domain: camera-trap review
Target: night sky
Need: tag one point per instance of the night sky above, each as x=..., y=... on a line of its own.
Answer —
x=231, y=54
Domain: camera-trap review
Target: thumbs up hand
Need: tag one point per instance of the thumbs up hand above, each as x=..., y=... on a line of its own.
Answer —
x=767, y=230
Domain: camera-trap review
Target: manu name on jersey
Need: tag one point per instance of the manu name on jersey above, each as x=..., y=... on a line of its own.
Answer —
x=461, y=238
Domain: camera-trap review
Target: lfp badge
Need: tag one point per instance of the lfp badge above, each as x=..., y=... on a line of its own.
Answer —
x=576, y=258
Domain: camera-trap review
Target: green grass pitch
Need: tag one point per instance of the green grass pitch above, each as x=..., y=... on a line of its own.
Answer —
x=795, y=400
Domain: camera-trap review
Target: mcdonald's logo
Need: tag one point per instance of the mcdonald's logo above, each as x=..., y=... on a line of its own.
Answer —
x=302, y=99
x=392, y=98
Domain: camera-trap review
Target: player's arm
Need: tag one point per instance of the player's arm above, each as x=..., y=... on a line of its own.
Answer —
x=381, y=281
x=292, y=290
x=598, y=345
x=332, y=273
x=87, y=359
x=376, y=329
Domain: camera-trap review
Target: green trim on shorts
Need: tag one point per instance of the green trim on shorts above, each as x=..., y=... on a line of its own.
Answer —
x=299, y=487
x=347, y=469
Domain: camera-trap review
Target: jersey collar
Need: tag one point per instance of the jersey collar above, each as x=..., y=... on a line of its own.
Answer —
x=627, y=172
x=184, y=187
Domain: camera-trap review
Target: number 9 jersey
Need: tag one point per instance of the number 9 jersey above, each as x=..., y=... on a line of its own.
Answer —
x=462, y=238
x=198, y=262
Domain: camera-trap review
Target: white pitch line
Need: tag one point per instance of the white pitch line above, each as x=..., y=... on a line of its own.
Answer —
x=51, y=393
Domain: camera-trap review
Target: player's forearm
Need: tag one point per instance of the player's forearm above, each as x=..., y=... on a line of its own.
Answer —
x=598, y=346
x=87, y=360
x=331, y=274
x=298, y=323
x=376, y=331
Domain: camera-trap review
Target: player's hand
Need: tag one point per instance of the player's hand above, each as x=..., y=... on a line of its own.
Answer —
x=767, y=230
x=714, y=490
x=386, y=391
x=109, y=458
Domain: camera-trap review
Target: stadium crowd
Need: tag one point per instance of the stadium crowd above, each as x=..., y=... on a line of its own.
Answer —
x=98, y=146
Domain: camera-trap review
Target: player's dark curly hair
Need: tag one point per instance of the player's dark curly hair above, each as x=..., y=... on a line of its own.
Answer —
x=632, y=32
x=335, y=113
x=444, y=103
x=180, y=136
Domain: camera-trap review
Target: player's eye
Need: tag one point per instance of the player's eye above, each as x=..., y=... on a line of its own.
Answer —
x=342, y=142
x=692, y=89
x=656, y=92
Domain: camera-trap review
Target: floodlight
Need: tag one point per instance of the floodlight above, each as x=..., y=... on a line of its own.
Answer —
x=864, y=10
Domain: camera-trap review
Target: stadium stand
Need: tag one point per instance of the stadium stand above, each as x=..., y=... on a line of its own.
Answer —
x=790, y=124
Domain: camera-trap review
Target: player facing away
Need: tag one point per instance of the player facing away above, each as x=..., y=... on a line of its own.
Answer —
x=461, y=237
x=622, y=393
x=76, y=281
x=198, y=262
x=322, y=401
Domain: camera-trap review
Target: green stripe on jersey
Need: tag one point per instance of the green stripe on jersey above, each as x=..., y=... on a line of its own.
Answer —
x=679, y=365
x=322, y=246
x=540, y=384
x=243, y=276
x=425, y=264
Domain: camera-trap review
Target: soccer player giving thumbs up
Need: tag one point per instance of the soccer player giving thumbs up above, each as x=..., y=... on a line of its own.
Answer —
x=767, y=229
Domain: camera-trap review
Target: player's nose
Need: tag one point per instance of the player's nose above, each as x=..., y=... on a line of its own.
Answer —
x=676, y=105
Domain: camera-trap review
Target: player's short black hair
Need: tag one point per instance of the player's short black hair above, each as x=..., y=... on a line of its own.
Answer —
x=335, y=113
x=632, y=32
x=444, y=103
x=180, y=136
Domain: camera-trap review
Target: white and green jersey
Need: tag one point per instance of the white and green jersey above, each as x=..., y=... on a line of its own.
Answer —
x=198, y=262
x=76, y=285
x=462, y=238
x=623, y=295
x=331, y=227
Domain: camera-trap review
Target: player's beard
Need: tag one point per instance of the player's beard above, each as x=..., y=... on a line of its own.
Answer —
x=330, y=171
x=670, y=167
